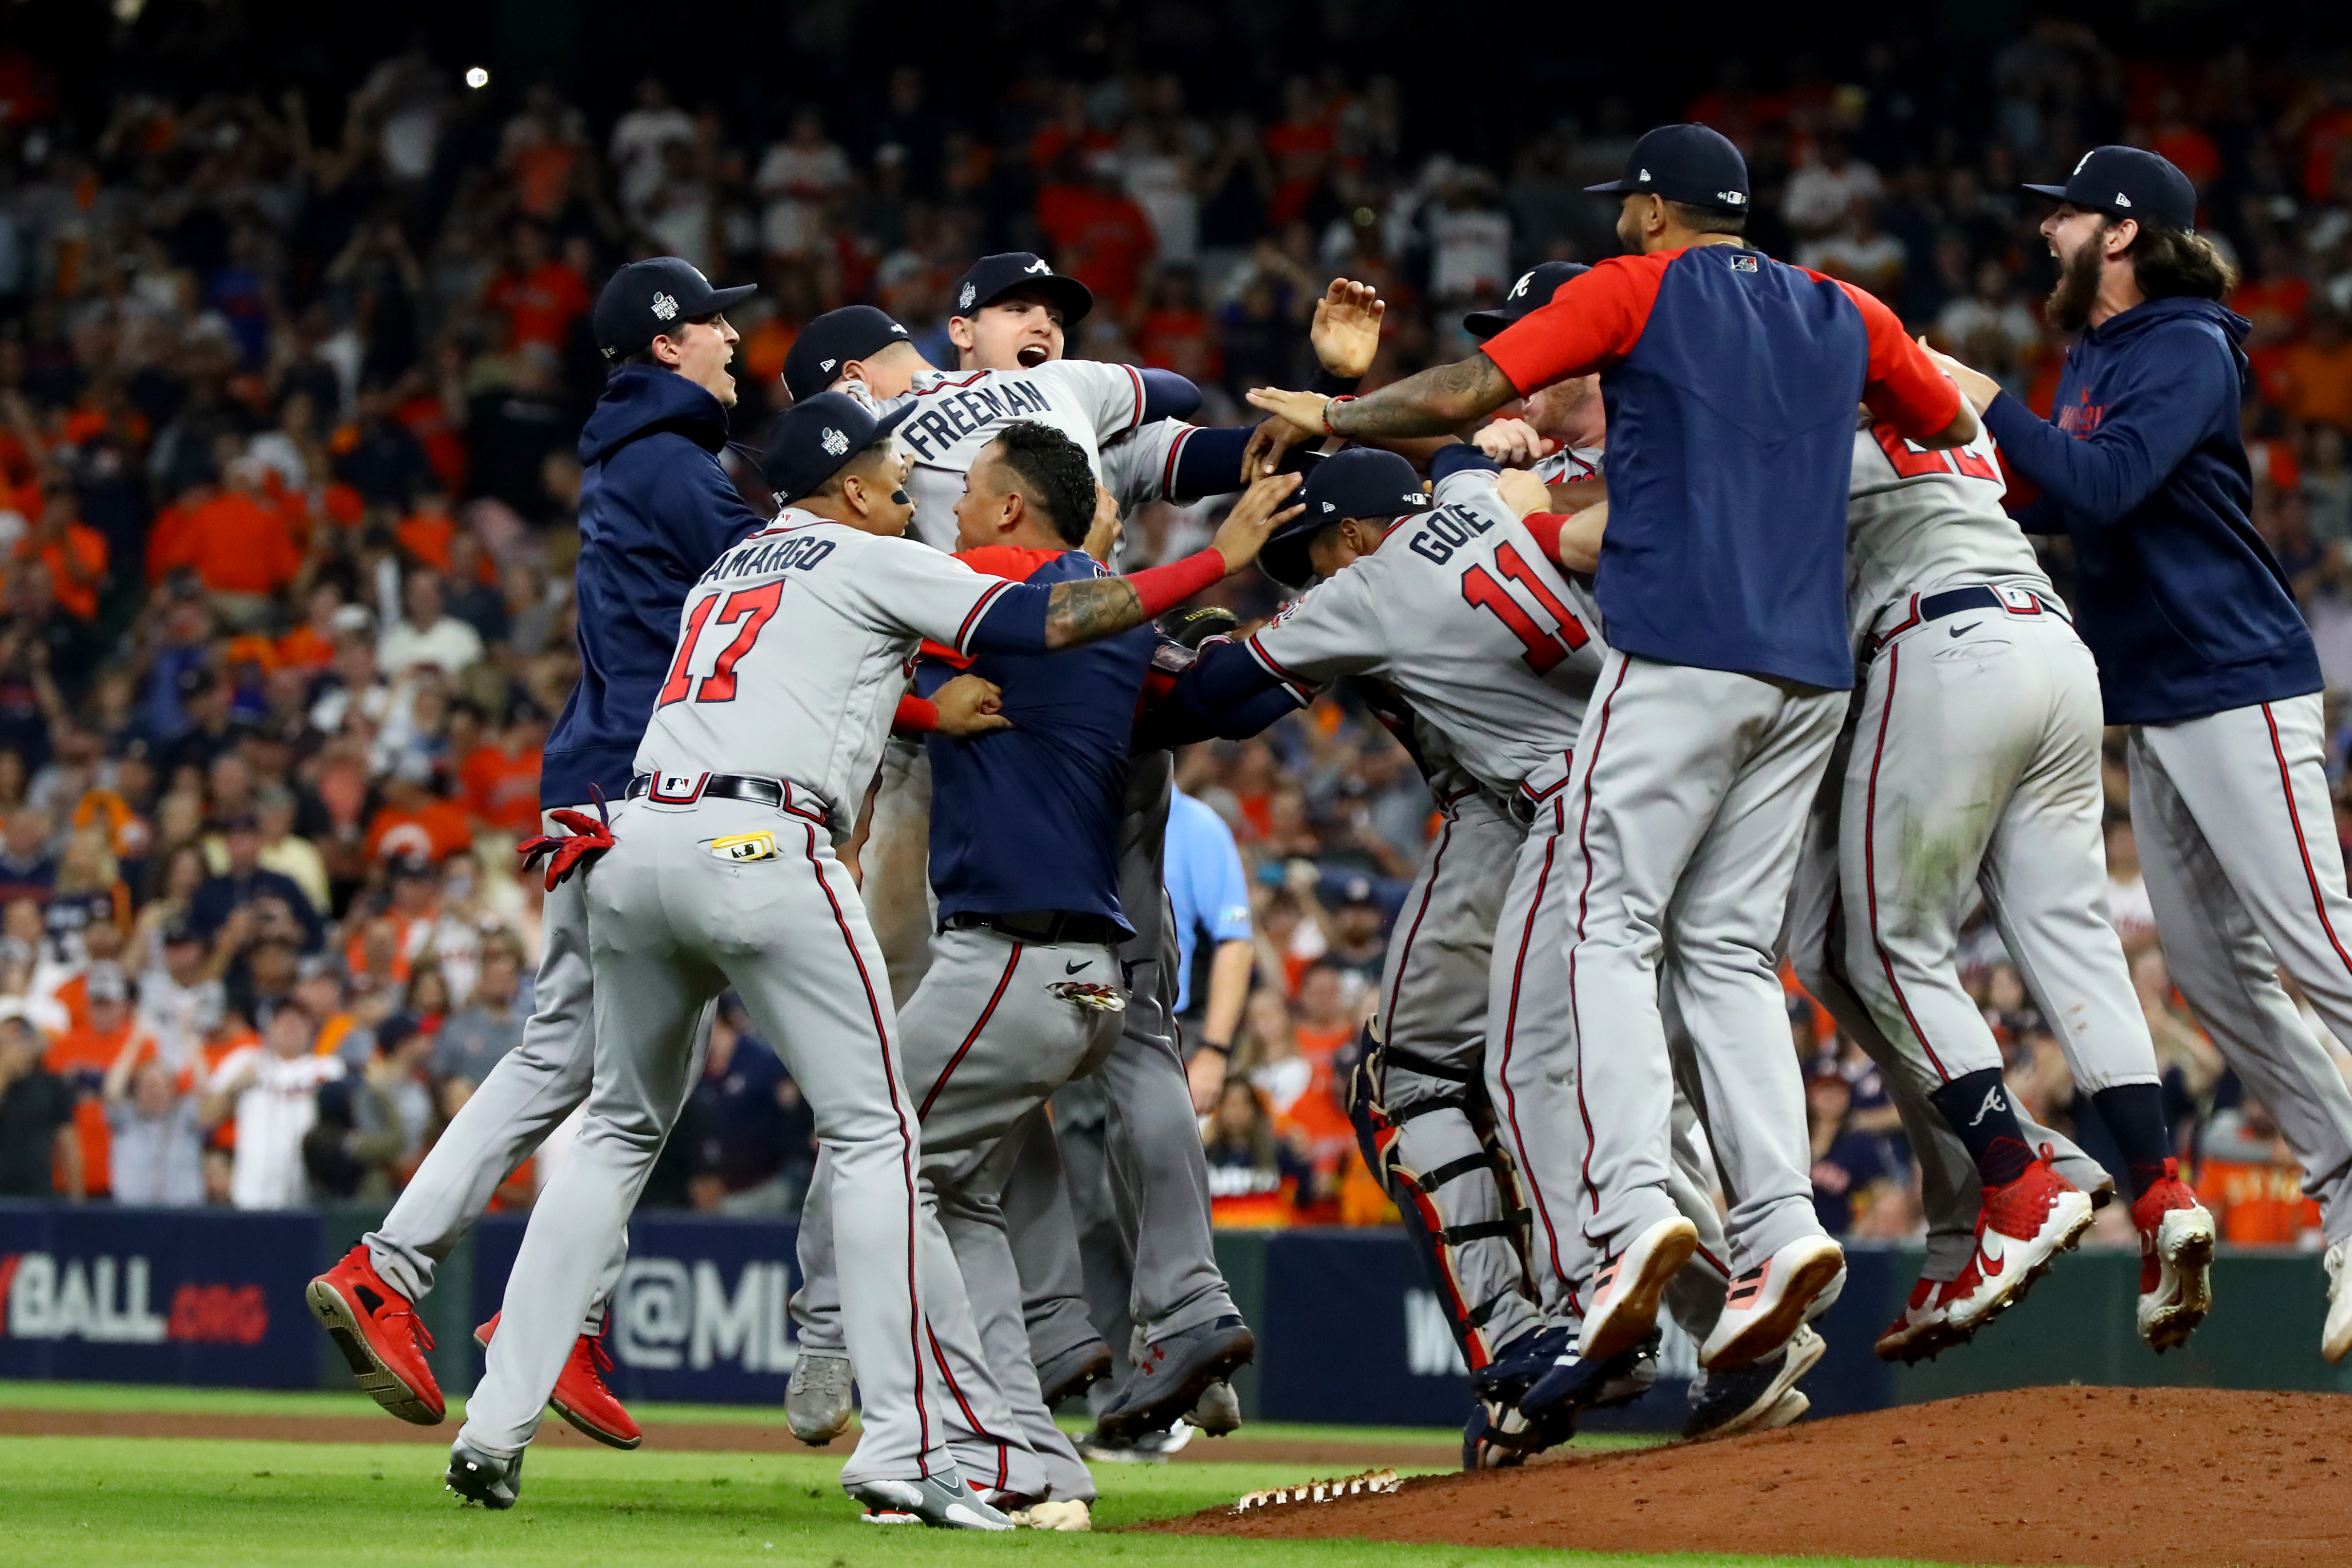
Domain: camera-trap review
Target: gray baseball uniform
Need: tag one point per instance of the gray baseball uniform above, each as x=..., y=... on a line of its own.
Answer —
x=1503, y=673
x=1970, y=764
x=791, y=661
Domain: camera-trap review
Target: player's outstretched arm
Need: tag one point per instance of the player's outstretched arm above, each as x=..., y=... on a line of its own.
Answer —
x=1088, y=612
x=1436, y=401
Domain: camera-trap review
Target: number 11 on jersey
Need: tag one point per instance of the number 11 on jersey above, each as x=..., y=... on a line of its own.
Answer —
x=1545, y=648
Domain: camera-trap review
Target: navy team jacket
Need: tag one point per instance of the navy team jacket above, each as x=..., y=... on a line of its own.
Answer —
x=1731, y=381
x=2182, y=603
x=1027, y=818
x=656, y=509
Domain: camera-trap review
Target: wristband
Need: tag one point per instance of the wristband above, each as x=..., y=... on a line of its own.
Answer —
x=1162, y=588
x=1546, y=526
x=1333, y=385
x=916, y=716
x=1330, y=403
x=1224, y=1050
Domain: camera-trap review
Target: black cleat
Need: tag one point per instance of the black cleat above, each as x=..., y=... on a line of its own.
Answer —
x=1072, y=1372
x=478, y=1478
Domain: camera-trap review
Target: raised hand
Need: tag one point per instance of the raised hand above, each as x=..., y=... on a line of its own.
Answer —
x=1253, y=517
x=1347, y=330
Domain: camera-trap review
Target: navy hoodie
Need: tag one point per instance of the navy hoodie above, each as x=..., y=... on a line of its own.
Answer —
x=2183, y=604
x=656, y=509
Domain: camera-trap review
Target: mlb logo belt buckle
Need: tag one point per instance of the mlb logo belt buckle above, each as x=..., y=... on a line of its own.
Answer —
x=744, y=847
x=676, y=789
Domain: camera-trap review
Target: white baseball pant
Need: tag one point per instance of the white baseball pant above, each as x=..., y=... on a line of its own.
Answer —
x=1531, y=1082
x=986, y=1040
x=2238, y=846
x=1683, y=813
x=525, y=1096
x=671, y=925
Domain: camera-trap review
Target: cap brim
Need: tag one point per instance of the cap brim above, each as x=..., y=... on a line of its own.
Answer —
x=1487, y=323
x=1614, y=188
x=1283, y=559
x=1075, y=298
x=885, y=423
x=722, y=298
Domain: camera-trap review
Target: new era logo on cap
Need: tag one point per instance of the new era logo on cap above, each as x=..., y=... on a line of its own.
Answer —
x=1329, y=506
x=827, y=364
x=2122, y=200
x=836, y=443
x=665, y=307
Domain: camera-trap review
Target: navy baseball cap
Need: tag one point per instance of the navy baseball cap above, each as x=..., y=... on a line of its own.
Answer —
x=2128, y=182
x=647, y=299
x=1359, y=482
x=813, y=362
x=816, y=438
x=1533, y=291
x=992, y=278
x=1695, y=164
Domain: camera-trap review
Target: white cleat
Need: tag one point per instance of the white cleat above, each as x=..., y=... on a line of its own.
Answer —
x=2336, y=1339
x=943, y=1502
x=1628, y=1286
x=1766, y=1305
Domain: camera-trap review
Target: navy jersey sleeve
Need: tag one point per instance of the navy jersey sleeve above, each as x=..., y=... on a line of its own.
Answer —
x=701, y=512
x=2181, y=387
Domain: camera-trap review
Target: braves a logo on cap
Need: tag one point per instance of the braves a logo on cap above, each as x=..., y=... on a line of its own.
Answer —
x=2085, y=159
x=967, y=297
x=1039, y=268
x=834, y=442
x=665, y=307
x=1521, y=287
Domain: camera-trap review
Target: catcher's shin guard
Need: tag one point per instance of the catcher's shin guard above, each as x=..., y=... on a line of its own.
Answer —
x=1428, y=1157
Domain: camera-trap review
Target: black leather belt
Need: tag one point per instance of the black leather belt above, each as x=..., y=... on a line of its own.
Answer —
x=1046, y=927
x=777, y=794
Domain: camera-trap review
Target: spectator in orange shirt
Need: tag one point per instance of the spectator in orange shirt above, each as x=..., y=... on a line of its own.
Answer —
x=75, y=554
x=240, y=548
x=540, y=293
x=2319, y=374
x=83, y=1057
x=501, y=780
x=2251, y=1182
x=1101, y=237
x=415, y=821
x=425, y=532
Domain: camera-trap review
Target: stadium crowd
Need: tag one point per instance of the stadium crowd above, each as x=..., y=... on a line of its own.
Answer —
x=288, y=400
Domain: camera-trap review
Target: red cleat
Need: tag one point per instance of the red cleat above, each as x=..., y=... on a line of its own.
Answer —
x=580, y=1395
x=380, y=1335
x=2022, y=1228
x=2176, y=1260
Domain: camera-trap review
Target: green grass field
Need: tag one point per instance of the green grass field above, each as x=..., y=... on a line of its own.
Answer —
x=134, y=1502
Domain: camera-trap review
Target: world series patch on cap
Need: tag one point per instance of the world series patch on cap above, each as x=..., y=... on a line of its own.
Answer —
x=647, y=299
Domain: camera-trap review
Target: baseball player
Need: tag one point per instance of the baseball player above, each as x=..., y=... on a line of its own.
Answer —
x=1972, y=762
x=657, y=508
x=716, y=873
x=2201, y=653
x=1461, y=610
x=1729, y=378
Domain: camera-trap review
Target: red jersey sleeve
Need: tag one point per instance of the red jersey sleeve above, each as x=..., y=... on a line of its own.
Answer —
x=1592, y=322
x=1905, y=389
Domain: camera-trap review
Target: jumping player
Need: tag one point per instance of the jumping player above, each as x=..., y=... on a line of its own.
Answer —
x=2201, y=652
x=1715, y=716
x=656, y=509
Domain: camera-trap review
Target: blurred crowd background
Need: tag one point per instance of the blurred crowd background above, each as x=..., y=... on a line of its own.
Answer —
x=293, y=355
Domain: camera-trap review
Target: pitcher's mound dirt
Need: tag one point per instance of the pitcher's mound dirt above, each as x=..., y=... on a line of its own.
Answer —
x=2197, y=1477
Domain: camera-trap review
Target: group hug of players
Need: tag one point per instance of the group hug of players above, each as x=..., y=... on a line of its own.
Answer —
x=1725, y=650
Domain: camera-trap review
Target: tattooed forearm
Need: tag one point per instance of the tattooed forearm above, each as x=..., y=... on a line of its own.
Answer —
x=1084, y=611
x=1433, y=402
